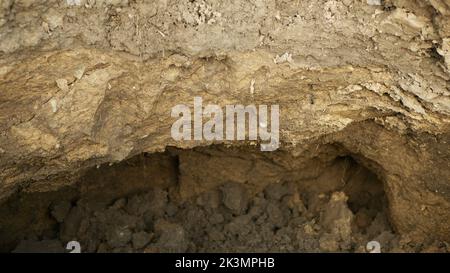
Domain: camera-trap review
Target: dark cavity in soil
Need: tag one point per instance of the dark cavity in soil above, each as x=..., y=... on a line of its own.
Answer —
x=209, y=199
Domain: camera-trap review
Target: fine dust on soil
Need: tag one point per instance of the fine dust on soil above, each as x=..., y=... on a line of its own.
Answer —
x=148, y=214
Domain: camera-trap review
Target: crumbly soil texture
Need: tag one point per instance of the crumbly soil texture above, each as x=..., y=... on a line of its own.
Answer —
x=150, y=214
x=87, y=154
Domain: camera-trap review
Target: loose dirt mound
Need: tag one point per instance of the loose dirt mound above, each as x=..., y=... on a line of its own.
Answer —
x=342, y=208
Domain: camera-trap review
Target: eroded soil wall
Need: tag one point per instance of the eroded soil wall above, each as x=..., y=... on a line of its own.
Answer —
x=87, y=83
x=152, y=203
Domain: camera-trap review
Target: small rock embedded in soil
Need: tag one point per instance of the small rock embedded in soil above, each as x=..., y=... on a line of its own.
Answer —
x=73, y=2
x=62, y=84
x=79, y=72
x=374, y=2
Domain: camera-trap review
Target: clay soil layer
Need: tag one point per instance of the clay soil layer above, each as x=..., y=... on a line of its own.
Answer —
x=86, y=151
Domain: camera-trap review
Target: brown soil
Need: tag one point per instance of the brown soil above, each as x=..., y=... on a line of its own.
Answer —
x=86, y=151
x=141, y=205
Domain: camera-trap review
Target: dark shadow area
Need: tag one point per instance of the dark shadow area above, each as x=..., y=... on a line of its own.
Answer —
x=207, y=199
